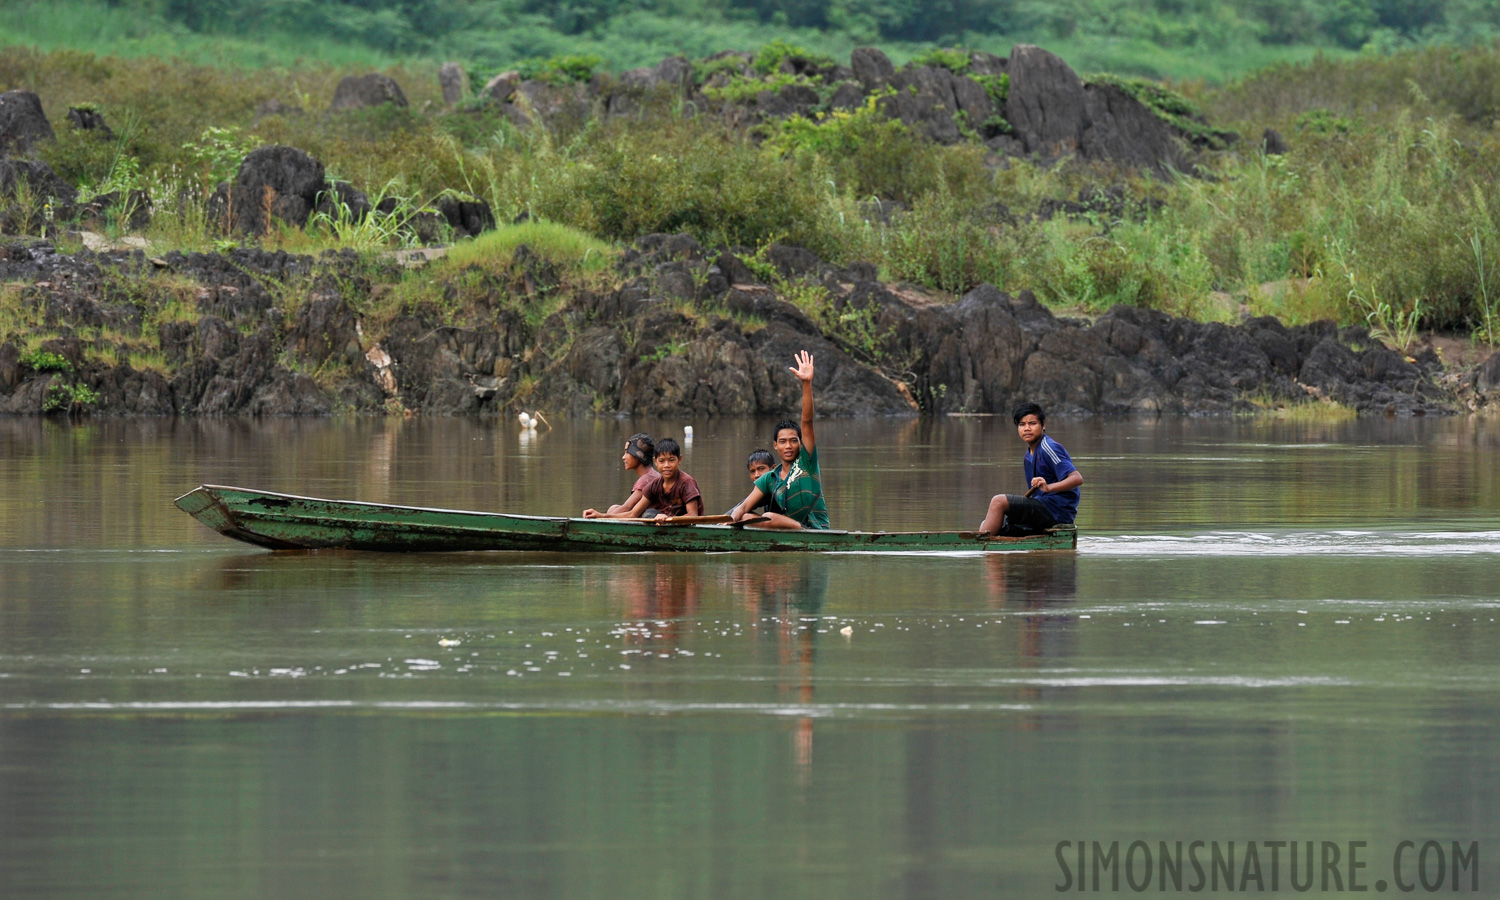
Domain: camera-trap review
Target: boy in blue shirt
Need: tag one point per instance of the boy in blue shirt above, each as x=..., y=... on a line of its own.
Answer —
x=1051, y=476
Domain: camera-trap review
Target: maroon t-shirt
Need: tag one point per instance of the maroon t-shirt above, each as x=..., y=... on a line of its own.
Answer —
x=675, y=501
x=644, y=482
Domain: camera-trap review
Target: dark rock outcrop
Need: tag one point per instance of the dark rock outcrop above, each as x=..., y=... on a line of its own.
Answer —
x=86, y=118
x=23, y=124
x=1047, y=113
x=872, y=68
x=1054, y=114
x=365, y=91
x=454, y=82
x=285, y=183
x=687, y=330
x=27, y=188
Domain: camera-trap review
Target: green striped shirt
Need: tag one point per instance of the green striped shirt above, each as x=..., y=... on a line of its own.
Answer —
x=800, y=494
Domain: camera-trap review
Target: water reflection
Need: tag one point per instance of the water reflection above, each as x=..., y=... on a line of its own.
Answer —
x=1040, y=584
x=787, y=597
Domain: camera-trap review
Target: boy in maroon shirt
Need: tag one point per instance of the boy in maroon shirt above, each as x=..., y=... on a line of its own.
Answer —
x=639, y=451
x=676, y=492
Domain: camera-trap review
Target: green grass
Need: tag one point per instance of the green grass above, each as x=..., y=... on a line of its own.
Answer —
x=568, y=248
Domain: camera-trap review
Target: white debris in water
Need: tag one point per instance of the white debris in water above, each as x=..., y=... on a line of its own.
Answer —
x=847, y=630
x=449, y=642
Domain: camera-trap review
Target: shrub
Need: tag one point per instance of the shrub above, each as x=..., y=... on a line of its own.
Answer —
x=562, y=69
x=45, y=361
x=743, y=88
x=769, y=57
x=954, y=59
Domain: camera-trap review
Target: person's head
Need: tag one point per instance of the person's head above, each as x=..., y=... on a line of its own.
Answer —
x=639, y=450
x=1031, y=422
x=668, y=457
x=788, y=440
x=759, y=463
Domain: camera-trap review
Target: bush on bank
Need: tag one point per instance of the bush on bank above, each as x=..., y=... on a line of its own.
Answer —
x=1384, y=210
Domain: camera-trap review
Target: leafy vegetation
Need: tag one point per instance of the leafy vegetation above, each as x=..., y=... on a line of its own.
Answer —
x=1382, y=213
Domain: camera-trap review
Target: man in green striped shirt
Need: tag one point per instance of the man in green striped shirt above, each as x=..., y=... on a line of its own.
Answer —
x=793, y=491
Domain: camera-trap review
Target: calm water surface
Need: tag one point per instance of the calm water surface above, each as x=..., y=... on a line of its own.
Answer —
x=1270, y=631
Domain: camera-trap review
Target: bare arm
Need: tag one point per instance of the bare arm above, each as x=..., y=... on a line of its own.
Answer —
x=695, y=507
x=804, y=372
x=743, y=510
x=619, y=511
x=1074, y=479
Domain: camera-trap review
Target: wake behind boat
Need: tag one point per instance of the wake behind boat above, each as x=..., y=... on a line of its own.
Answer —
x=289, y=522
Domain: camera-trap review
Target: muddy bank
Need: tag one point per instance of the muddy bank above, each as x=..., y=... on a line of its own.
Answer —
x=682, y=330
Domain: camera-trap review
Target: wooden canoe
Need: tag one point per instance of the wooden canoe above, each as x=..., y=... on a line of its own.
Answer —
x=288, y=522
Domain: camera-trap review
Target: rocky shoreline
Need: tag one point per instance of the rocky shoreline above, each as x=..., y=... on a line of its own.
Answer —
x=684, y=330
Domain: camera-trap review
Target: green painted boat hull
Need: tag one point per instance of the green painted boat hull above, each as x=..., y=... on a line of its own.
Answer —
x=288, y=522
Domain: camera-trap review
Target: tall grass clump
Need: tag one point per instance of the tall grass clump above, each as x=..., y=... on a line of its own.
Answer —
x=572, y=251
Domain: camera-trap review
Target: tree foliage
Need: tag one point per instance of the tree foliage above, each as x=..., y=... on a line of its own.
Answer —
x=431, y=26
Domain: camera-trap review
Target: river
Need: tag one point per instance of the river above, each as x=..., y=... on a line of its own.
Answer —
x=1271, y=630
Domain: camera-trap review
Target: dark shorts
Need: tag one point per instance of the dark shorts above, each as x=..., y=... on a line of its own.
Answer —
x=1025, y=516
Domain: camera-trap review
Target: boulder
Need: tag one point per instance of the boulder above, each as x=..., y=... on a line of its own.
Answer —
x=1272, y=143
x=131, y=209
x=502, y=87
x=790, y=100
x=924, y=101
x=364, y=91
x=674, y=73
x=550, y=102
x=848, y=95
x=1119, y=128
x=672, y=77
x=86, y=118
x=342, y=201
x=1487, y=376
x=282, y=181
x=454, y=82
x=871, y=67
x=44, y=185
x=467, y=216
x=23, y=124
x=1046, y=104
x=1055, y=114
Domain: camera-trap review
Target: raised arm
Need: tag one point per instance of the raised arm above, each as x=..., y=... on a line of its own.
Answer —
x=804, y=372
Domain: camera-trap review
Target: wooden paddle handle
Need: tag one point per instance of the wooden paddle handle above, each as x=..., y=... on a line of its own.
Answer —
x=693, y=520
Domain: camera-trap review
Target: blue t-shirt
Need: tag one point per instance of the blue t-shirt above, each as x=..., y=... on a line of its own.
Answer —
x=1053, y=463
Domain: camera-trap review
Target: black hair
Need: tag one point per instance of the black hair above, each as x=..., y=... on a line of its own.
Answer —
x=1028, y=409
x=668, y=447
x=641, y=446
x=763, y=457
x=783, y=425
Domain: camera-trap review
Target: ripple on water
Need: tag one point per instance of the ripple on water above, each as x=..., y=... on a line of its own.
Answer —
x=1296, y=543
